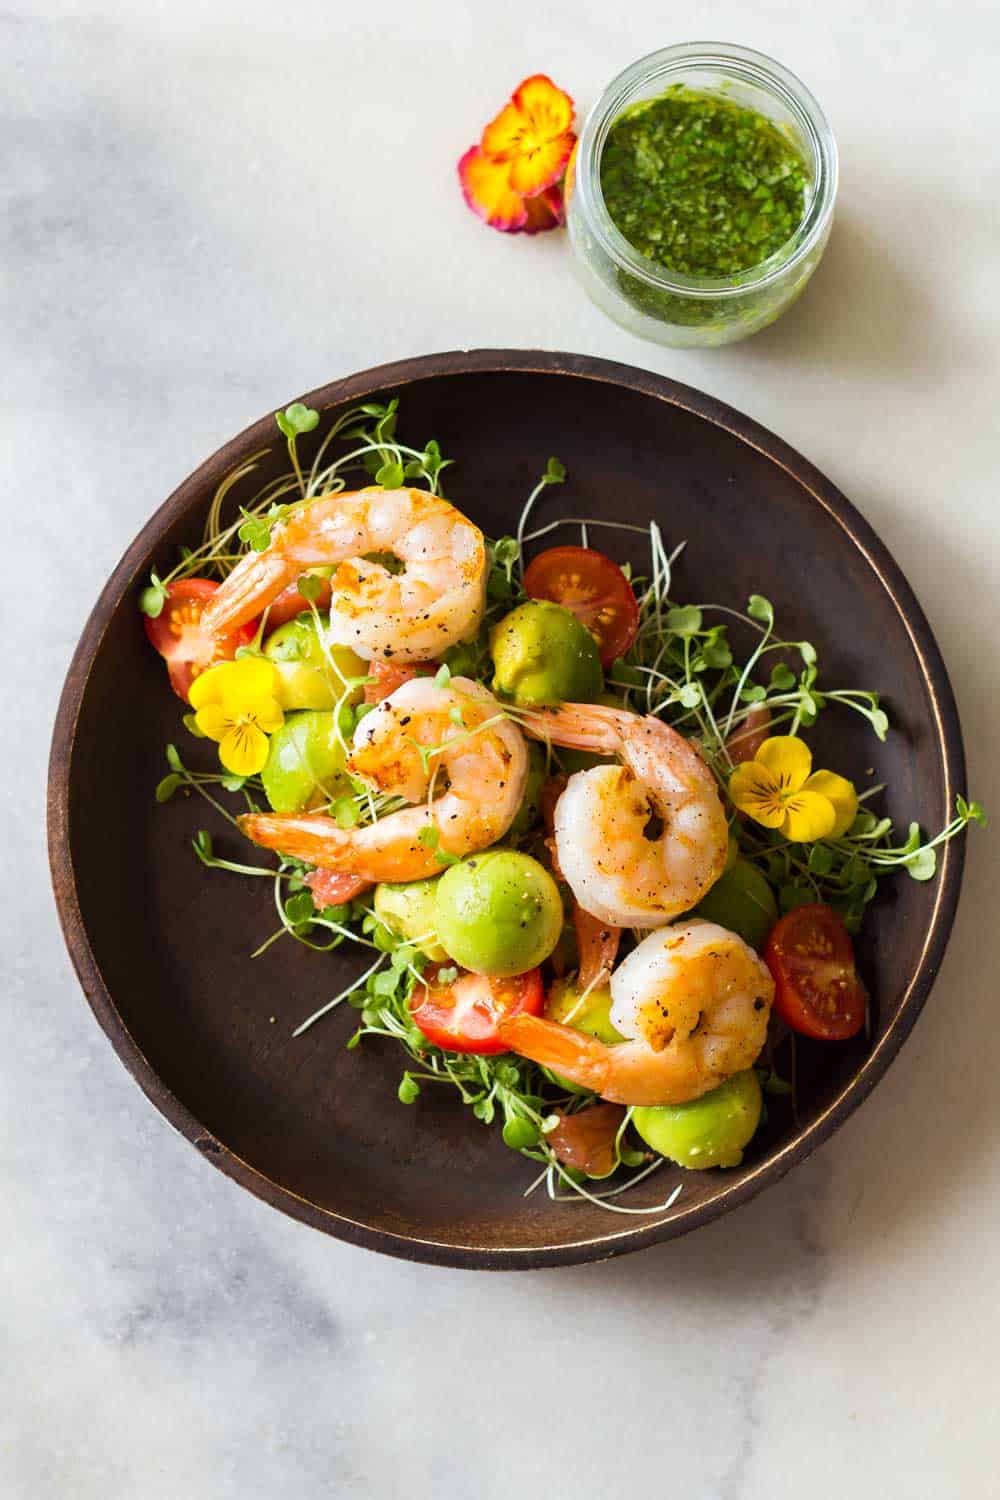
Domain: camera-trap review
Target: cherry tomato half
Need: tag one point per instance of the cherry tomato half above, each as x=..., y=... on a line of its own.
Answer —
x=388, y=677
x=291, y=603
x=178, y=636
x=462, y=1016
x=594, y=588
x=816, y=986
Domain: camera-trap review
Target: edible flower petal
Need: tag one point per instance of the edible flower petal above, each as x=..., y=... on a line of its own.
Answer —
x=839, y=791
x=752, y=789
x=808, y=817
x=236, y=705
x=533, y=132
x=511, y=178
x=545, y=211
x=787, y=759
x=779, y=789
x=486, y=189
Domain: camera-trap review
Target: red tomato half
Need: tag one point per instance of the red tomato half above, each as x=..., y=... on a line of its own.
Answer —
x=462, y=1016
x=816, y=986
x=594, y=588
x=178, y=636
x=388, y=677
x=290, y=603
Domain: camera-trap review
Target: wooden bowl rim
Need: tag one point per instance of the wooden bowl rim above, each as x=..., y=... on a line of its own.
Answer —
x=948, y=738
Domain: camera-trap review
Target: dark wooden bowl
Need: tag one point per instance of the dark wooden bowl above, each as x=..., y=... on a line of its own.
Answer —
x=162, y=946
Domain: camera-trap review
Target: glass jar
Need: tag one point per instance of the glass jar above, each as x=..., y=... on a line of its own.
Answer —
x=668, y=306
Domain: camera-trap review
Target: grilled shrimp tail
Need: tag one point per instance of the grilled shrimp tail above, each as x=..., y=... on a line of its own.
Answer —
x=251, y=585
x=573, y=1054
x=309, y=836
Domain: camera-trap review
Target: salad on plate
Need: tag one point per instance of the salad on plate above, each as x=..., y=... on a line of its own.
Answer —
x=573, y=825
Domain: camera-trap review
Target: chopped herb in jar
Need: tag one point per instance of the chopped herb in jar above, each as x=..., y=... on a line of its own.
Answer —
x=702, y=185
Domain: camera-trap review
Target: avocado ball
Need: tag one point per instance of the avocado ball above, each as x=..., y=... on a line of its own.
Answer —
x=498, y=912
x=742, y=901
x=591, y=1014
x=707, y=1132
x=309, y=674
x=305, y=763
x=542, y=654
x=410, y=911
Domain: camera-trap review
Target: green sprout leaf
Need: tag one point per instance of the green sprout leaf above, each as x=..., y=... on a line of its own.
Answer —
x=821, y=860
x=166, y=788
x=684, y=621
x=309, y=586
x=409, y=1089
x=922, y=864
x=716, y=652
x=520, y=1134
x=255, y=533
x=300, y=909
x=296, y=418
x=913, y=839
x=153, y=598
x=759, y=608
x=202, y=844
x=973, y=812
x=555, y=471
x=173, y=759
x=390, y=475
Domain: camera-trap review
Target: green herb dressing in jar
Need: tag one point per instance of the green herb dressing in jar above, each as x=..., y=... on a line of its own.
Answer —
x=703, y=194
x=702, y=185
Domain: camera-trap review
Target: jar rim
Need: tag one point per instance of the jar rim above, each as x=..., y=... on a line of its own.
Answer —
x=744, y=65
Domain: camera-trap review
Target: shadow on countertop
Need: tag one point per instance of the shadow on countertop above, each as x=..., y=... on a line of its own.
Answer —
x=865, y=314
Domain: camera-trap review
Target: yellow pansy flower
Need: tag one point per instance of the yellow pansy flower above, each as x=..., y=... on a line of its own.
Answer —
x=780, y=789
x=236, y=704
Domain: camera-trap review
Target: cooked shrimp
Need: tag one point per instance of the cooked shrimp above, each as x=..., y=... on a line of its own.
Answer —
x=693, y=1003
x=413, y=615
x=481, y=764
x=641, y=841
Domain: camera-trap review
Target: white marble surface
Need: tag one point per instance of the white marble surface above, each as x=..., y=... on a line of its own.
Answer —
x=208, y=208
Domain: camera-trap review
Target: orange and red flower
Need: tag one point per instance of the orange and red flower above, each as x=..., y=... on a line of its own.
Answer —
x=512, y=178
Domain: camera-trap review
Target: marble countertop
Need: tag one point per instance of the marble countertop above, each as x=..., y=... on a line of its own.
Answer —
x=210, y=208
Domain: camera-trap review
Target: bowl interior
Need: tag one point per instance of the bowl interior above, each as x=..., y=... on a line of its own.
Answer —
x=163, y=946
